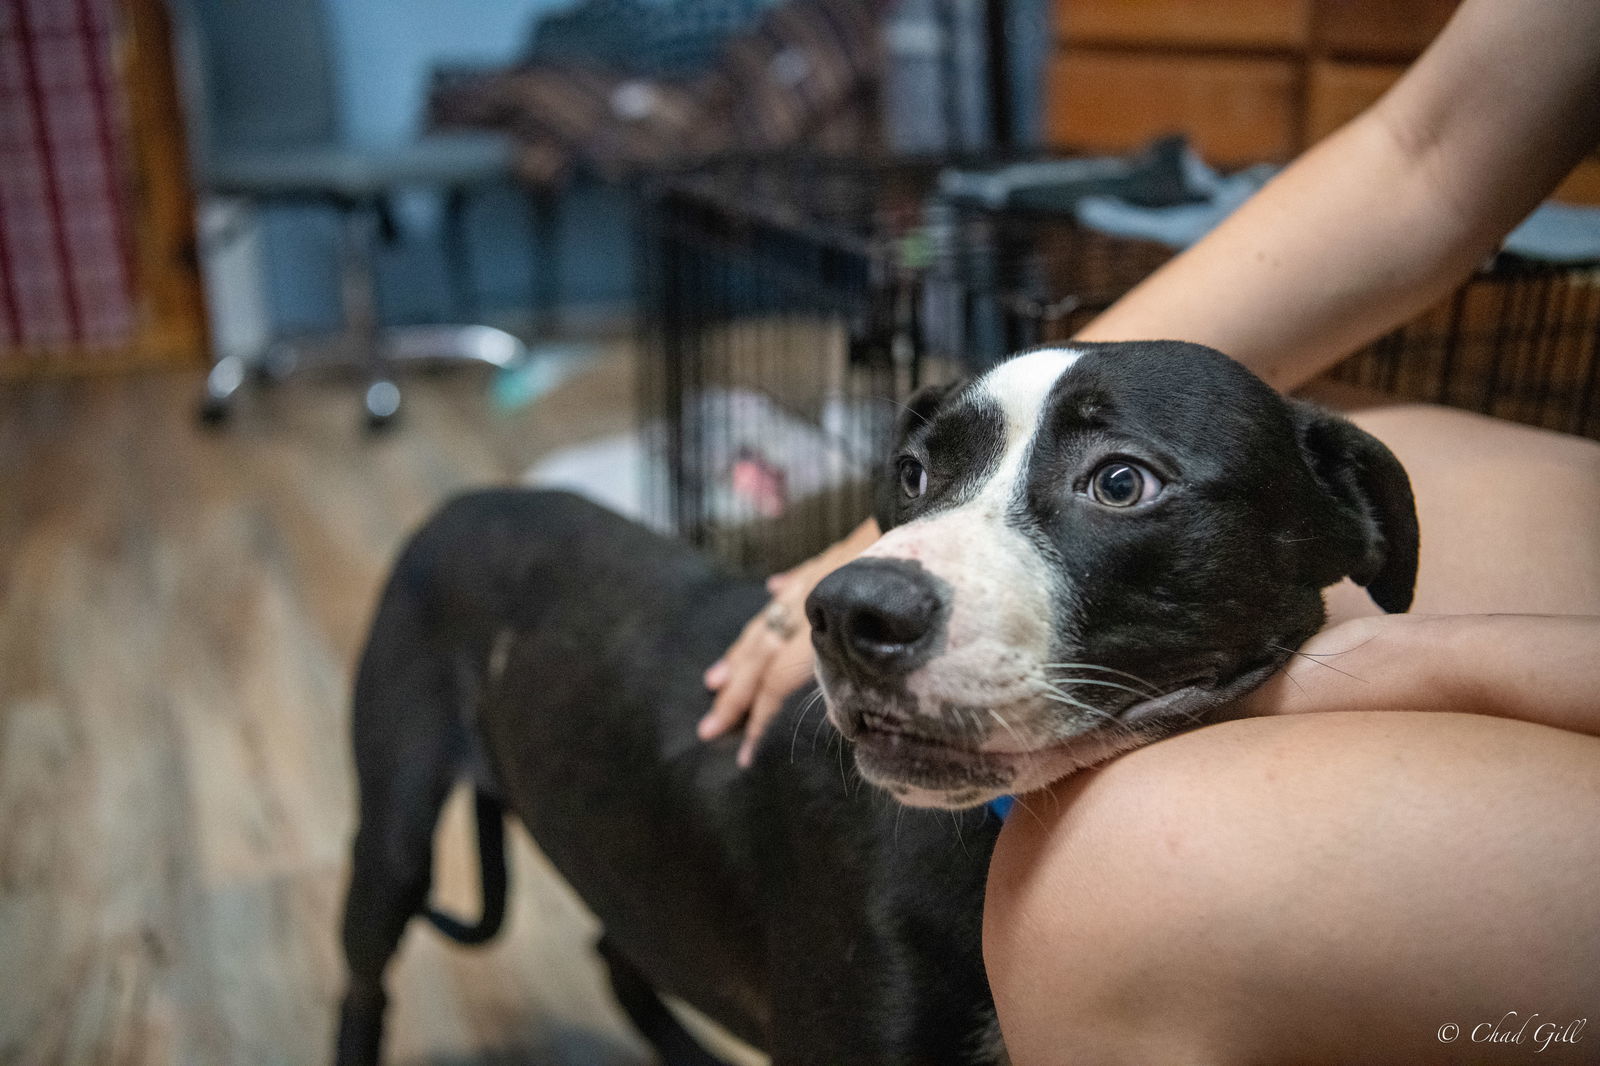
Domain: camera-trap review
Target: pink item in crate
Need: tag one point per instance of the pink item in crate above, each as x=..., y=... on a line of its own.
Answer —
x=759, y=483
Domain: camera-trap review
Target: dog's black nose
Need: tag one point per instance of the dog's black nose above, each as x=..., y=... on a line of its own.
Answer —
x=881, y=614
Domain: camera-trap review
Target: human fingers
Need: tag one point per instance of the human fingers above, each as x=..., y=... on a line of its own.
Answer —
x=749, y=641
x=740, y=677
x=785, y=672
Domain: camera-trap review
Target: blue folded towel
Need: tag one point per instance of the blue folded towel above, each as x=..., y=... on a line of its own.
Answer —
x=1553, y=233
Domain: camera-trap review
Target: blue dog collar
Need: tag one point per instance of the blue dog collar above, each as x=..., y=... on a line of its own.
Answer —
x=1001, y=806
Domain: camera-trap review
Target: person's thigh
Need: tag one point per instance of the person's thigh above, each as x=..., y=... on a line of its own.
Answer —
x=1334, y=888
x=1510, y=515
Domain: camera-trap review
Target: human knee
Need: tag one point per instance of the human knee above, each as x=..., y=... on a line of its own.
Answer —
x=1110, y=898
x=1151, y=910
x=1139, y=913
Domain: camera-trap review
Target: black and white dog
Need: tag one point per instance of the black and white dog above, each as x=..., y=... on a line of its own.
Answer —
x=1087, y=549
x=1094, y=548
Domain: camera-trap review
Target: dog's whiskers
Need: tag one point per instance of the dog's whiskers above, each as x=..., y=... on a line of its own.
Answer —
x=817, y=729
x=1283, y=668
x=1309, y=657
x=1142, y=693
x=975, y=724
x=1102, y=669
x=844, y=780
x=998, y=717
x=1094, y=713
x=811, y=702
x=1065, y=697
x=1019, y=801
x=907, y=408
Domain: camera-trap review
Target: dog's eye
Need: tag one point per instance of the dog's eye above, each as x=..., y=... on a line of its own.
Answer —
x=913, y=478
x=1123, y=484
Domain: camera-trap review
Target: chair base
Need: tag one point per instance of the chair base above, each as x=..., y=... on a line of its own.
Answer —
x=392, y=350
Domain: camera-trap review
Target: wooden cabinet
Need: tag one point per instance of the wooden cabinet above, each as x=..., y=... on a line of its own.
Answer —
x=1246, y=80
x=1339, y=90
x=1261, y=24
x=1219, y=70
x=1378, y=29
x=1234, y=108
x=98, y=270
x=1582, y=185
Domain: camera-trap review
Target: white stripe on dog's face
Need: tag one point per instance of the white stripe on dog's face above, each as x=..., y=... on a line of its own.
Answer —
x=1020, y=386
x=1001, y=626
x=1019, y=389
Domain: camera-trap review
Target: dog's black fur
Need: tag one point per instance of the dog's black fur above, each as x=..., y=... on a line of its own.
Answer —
x=554, y=651
x=799, y=908
x=1179, y=605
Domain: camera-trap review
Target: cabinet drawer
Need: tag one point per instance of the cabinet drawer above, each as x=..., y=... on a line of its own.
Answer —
x=1379, y=29
x=1338, y=92
x=1235, y=110
x=1259, y=24
x=1582, y=185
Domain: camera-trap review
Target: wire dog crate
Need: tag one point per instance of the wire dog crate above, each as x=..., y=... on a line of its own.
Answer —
x=774, y=343
x=789, y=306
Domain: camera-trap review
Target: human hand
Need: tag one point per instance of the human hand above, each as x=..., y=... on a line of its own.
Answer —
x=772, y=657
x=1350, y=666
x=1532, y=667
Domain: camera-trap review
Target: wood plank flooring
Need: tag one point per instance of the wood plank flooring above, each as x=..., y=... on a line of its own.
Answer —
x=179, y=616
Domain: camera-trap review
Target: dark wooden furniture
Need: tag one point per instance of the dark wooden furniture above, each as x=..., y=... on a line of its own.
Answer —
x=98, y=270
x=1247, y=80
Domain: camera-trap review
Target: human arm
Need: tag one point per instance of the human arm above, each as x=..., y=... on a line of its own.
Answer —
x=773, y=656
x=1537, y=668
x=1381, y=219
x=1368, y=228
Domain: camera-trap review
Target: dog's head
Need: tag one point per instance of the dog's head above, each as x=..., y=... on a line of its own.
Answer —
x=1087, y=549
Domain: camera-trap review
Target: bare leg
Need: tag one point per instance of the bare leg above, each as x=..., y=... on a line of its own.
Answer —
x=1337, y=887
x=1334, y=888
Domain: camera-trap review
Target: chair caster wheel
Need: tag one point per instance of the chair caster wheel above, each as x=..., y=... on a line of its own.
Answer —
x=276, y=366
x=222, y=384
x=213, y=413
x=381, y=402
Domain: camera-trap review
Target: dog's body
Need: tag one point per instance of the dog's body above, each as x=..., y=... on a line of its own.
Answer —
x=554, y=650
x=791, y=903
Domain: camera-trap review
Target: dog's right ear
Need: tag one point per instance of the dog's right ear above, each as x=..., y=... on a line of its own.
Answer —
x=915, y=412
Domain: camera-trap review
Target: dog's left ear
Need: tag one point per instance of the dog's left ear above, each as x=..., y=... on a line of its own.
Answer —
x=916, y=411
x=919, y=409
x=1372, y=496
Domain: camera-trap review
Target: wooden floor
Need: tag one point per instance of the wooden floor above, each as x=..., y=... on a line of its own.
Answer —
x=179, y=615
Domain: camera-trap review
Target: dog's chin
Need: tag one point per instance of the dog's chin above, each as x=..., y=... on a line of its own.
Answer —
x=921, y=770
x=929, y=773
x=979, y=777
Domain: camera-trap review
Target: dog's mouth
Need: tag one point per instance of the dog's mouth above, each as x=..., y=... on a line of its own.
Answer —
x=982, y=753
x=929, y=771
x=926, y=771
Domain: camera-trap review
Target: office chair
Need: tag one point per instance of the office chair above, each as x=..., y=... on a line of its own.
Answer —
x=264, y=126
